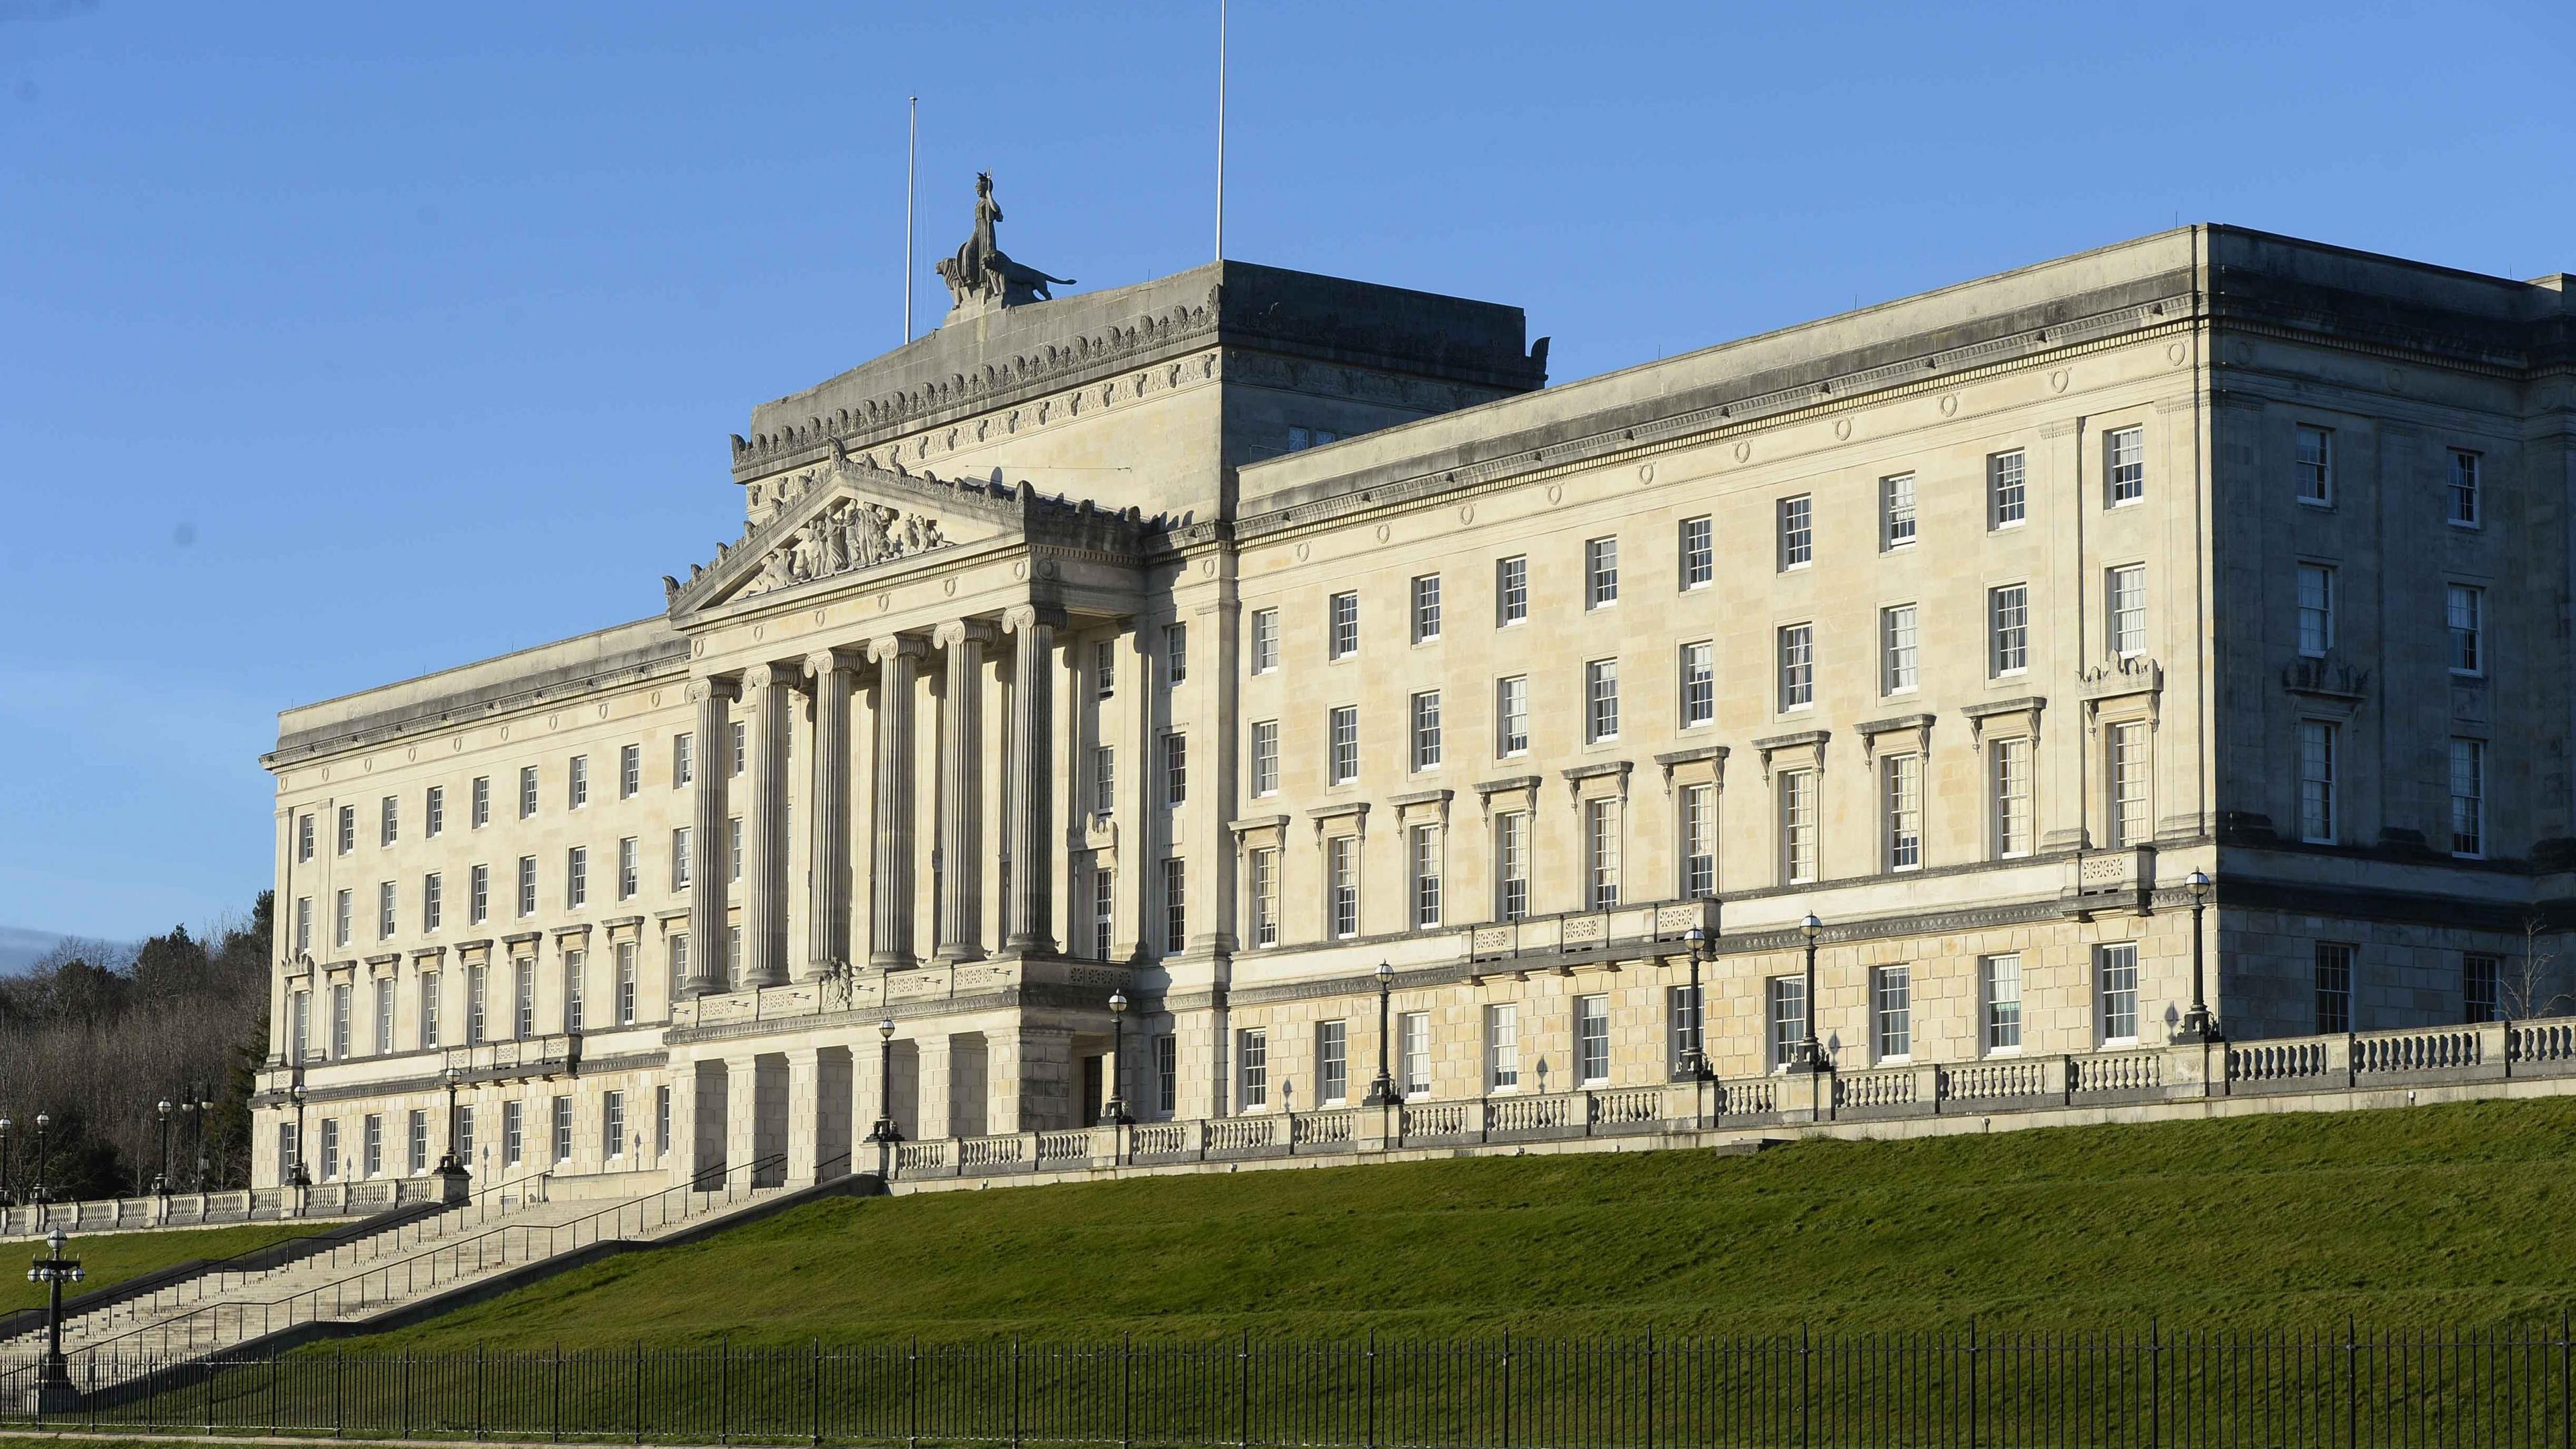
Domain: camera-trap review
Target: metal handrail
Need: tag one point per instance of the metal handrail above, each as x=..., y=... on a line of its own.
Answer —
x=339, y=1292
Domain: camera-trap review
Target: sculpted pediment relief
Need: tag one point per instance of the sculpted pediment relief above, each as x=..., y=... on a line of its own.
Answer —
x=840, y=518
x=846, y=535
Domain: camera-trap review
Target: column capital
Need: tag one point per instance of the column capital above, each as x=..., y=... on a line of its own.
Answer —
x=714, y=686
x=845, y=658
x=883, y=650
x=763, y=676
x=1020, y=618
x=959, y=631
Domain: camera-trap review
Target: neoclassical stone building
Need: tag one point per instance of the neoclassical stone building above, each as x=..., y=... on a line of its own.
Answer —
x=1240, y=641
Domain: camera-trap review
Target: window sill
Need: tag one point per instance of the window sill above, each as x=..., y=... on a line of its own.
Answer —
x=2323, y=503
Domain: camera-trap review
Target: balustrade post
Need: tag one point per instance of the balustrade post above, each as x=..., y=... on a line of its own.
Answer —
x=2495, y=1056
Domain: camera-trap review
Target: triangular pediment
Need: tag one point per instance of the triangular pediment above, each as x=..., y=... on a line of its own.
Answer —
x=840, y=518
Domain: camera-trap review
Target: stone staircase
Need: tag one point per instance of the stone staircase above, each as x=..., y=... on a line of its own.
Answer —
x=222, y=1312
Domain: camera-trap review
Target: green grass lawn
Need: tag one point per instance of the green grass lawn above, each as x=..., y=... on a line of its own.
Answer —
x=2457, y=1215
x=111, y=1258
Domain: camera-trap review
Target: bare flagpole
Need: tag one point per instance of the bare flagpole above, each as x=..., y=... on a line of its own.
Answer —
x=1220, y=130
x=911, y=161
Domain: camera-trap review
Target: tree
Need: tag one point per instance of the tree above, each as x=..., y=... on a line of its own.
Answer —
x=2531, y=986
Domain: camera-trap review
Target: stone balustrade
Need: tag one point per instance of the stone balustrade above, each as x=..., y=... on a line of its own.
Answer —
x=217, y=1209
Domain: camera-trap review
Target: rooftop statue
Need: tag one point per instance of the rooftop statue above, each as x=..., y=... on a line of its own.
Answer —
x=981, y=275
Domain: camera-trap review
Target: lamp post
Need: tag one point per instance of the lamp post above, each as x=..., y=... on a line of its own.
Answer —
x=1695, y=1051
x=1382, y=1093
x=1809, y=1055
x=53, y=1391
x=1117, y=1112
x=161, y=1182
x=885, y=1133
x=8, y=1165
x=296, y=1175
x=2197, y=1024
x=38, y=1195
x=450, y=1164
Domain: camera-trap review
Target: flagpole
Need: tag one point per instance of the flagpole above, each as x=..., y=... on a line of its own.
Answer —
x=911, y=163
x=1220, y=130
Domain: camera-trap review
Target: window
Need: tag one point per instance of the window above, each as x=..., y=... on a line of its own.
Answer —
x=1600, y=573
x=1104, y=668
x=1699, y=553
x=1903, y=782
x=2464, y=501
x=1898, y=646
x=1682, y=1016
x=514, y=1141
x=563, y=1129
x=527, y=885
x=2334, y=987
x=577, y=877
x=1176, y=653
x=2468, y=798
x=630, y=868
x=2011, y=786
x=1591, y=1039
x=1104, y=911
x=2467, y=609
x=1342, y=871
x=1176, y=920
x=1252, y=1067
x=528, y=792
x=1892, y=1011
x=1423, y=855
x=630, y=771
x=1265, y=757
x=741, y=746
x=1265, y=641
x=1503, y=1046
x=300, y=1025
x=1413, y=1054
x=1167, y=1074
x=683, y=760
x=676, y=955
x=1797, y=532
x=1176, y=770
x=1332, y=1062
x=2479, y=978
x=433, y=811
x=2124, y=452
x=1797, y=666
x=340, y=1012
x=2128, y=785
x=384, y=910
x=330, y=1148
x=680, y=864
x=1426, y=608
x=662, y=1121
x=2316, y=782
x=1426, y=730
x=1786, y=1005
x=1511, y=864
x=342, y=913
x=2115, y=988
x=1797, y=826
x=575, y=967
x=1344, y=625
x=431, y=906
x=1601, y=853
x=1104, y=779
x=464, y=1143
x=626, y=983
x=478, y=998
x=577, y=782
x=479, y=802
x=348, y=832
x=416, y=1138
x=524, y=1018
x=2002, y=991
x=1511, y=716
x=387, y=812
x=1265, y=897
x=303, y=923
x=1699, y=684
x=2316, y=610
x=1896, y=511
x=2314, y=469
x=1601, y=700
x=2126, y=593
x=1511, y=591
x=733, y=849
x=303, y=838
x=2005, y=506
x=429, y=1010
x=2008, y=629
x=1699, y=841
x=612, y=1125
x=1300, y=439
x=1343, y=732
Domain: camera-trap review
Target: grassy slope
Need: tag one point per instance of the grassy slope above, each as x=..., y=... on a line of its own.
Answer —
x=2457, y=1213
x=110, y=1258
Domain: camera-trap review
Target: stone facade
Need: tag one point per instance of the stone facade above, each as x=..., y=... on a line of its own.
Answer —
x=1275, y=652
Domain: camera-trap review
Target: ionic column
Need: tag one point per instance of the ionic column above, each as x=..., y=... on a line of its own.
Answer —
x=709, y=827
x=832, y=675
x=1028, y=828
x=764, y=828
x=961, y=793
x=890, y=927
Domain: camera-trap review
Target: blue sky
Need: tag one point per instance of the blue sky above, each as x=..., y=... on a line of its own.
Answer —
x=343, y=342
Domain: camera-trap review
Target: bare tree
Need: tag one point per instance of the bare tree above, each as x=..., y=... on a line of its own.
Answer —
x=2531, y=987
